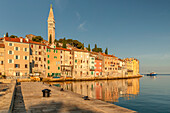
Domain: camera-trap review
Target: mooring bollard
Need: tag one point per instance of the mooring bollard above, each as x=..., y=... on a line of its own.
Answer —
x=46, y=92
x=86, y=98
x=61, y=89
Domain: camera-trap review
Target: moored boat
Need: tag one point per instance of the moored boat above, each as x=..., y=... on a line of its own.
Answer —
x=152, y=74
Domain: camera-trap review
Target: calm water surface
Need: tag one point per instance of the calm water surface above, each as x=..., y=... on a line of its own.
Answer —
x=145, y=95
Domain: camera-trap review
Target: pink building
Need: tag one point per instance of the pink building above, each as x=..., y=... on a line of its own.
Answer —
x=98, y=67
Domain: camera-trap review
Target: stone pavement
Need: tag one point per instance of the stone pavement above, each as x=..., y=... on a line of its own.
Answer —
x=63, y=101
x=6, y=95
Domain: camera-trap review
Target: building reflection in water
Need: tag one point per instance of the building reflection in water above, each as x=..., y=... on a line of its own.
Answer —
x=110, y=90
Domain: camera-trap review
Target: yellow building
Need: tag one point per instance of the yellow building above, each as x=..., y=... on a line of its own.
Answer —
x=2, y=49
x=53, y=62
x=16, y=57
x=132, y=66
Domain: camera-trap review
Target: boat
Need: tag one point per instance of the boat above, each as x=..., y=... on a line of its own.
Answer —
x=152, y=74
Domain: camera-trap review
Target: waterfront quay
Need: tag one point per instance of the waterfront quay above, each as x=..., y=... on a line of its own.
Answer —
x=62, y=101
x=27, y=97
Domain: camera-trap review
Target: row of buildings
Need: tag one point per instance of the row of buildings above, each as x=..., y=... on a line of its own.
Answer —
x=24, y=57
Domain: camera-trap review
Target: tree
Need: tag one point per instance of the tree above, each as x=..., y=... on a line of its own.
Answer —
x=95, y=49
x=57, y=44
x=64, y=45
x=37, y=39
x=88, y=47
x=7, y=34
x=55, y=41
x=50, y=41
x=82, y=46
x=13, y=36
x=106, y=51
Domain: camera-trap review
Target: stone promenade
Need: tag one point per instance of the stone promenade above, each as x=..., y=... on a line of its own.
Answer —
x=62, y=101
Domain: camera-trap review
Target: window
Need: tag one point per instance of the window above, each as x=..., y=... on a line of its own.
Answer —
x=36, y=65
x=26, y=58
x=25, y=74
x=81, y=61
x=10, y=44
x=70, y=62
x=58, y=68
x=61, y=62
x=54, y=50
x=16, y=57
x=75, y=61
x=25, y=49
x=39, y=53
x=16, y=48
x=48, y=61
x=31, y=46
x=91, y=72
x=75, y=66
x=35, y=52
x=61, y=51
x=44, y=59
x=26, y=66
x=61, y=56
x=10, y=60
x=39, y=58
x=17, y=66
x=35, y=58
x=70, y=57
x=56, y=63
x=39, y=47
x=48, y=67
x=48, y=74
x=10, y=52
x=44, y=47
x=44, y=66
x=2, y=62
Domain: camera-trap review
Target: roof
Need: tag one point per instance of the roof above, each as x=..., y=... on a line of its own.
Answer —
x=2, y=46
x=59, y=48
x=15, y=39
x=108, y=55
x=33, y=42
x=81, y=50
x=24, y=41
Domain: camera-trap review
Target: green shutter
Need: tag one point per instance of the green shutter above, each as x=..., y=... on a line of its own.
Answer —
x=48, y=61
x=48, y=56
x=92, y=73
x=56, y=51
x=75, y=61
x=58, y=68
x=48, y=67
x=48, y=74
x=49, y=50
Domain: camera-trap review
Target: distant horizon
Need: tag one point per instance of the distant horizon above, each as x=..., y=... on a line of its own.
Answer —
x=138, y=29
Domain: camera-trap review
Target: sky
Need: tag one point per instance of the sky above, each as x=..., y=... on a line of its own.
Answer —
x=128, y=28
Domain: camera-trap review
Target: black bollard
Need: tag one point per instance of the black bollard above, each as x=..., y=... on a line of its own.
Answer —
x=86, y=98
x=61, y=89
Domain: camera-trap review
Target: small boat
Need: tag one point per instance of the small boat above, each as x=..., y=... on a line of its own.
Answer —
x=152, y=74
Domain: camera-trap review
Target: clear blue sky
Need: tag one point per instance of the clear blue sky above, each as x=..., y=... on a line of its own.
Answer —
x=129, y=28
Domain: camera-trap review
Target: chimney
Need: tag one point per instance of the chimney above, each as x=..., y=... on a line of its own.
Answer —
x=21, y=40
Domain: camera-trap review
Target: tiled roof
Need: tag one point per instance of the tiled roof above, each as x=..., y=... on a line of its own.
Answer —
x=2, y=46
x=81, y=50
x=33, y=42
x=23, y=41
x=15, y=39
x=108, y=55
x=59, y=48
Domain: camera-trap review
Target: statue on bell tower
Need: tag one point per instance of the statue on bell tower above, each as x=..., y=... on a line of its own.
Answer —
x=51, y=26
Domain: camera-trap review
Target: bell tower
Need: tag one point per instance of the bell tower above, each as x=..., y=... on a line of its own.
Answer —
x=51, y=26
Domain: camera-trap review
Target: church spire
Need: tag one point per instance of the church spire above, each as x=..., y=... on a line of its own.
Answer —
x=51, y=26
